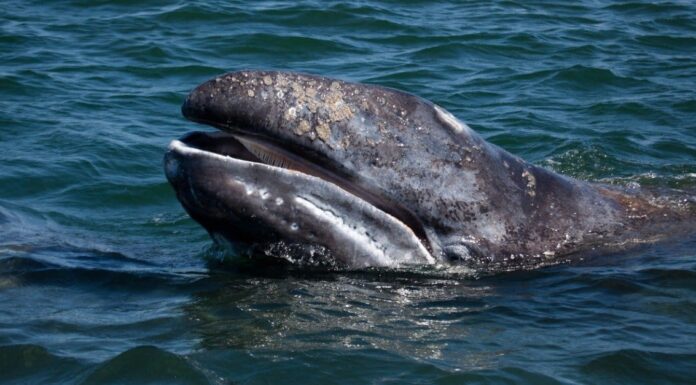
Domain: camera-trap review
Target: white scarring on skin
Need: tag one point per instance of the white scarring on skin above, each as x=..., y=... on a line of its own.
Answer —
x=264, y=194
x=456, y=125
x=358, y=236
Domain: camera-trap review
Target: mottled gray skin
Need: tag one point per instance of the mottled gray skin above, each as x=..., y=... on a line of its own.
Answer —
x=474, y=202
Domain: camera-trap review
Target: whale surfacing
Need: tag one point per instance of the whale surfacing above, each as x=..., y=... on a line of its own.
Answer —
x=328, y=172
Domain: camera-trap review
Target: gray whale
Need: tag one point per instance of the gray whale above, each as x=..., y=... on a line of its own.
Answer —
x=322, y=171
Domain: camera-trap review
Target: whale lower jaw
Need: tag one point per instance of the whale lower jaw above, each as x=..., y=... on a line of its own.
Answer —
x=247, y=192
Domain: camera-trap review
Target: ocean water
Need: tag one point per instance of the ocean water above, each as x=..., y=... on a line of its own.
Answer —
x=105, y=280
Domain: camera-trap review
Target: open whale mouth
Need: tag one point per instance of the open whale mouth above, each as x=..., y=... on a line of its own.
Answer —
x=248, y=148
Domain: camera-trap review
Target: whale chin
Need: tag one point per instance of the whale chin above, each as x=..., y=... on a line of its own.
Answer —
x=256, y=196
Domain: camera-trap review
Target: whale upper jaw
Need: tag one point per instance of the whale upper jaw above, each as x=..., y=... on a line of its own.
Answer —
x=223, y=182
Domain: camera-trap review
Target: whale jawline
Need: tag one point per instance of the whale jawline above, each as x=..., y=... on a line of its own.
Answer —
x=255, y=149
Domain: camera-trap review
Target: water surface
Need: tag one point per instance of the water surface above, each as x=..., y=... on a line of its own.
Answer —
x=104, y=279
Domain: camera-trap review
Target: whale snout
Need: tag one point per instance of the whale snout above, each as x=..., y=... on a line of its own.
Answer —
x=201, y=106
x=230, y=101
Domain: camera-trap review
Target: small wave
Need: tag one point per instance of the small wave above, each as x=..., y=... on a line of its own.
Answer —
x=293, y=45
x=670, y=278
x=508, y=375
x=28, y=271
x=588, y=162
x=67, y=265
x=666, y=42
x=632, y=108
x=455, y=50
x=33, y=364
x=647, y=8
x=146, y=365
x=632, y=366
x=584, y=77
x=680, y=178
x=192, y=13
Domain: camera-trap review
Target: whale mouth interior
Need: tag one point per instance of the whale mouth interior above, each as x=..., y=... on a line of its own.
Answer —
x=256, y=150
x=260, y=150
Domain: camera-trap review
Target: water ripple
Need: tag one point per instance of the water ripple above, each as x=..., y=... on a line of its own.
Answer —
x=101, y=270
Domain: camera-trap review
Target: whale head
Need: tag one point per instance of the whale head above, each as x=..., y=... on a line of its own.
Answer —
x=363, y=175
x=296, y=169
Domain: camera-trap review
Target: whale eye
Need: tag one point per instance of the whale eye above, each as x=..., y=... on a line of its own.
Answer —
x=463, y=252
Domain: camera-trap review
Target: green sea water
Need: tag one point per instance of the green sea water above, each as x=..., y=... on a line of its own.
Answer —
x=105, y=280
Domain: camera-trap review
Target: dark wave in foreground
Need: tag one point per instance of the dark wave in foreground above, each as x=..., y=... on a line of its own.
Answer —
x=32, y=364
x=23, y=364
